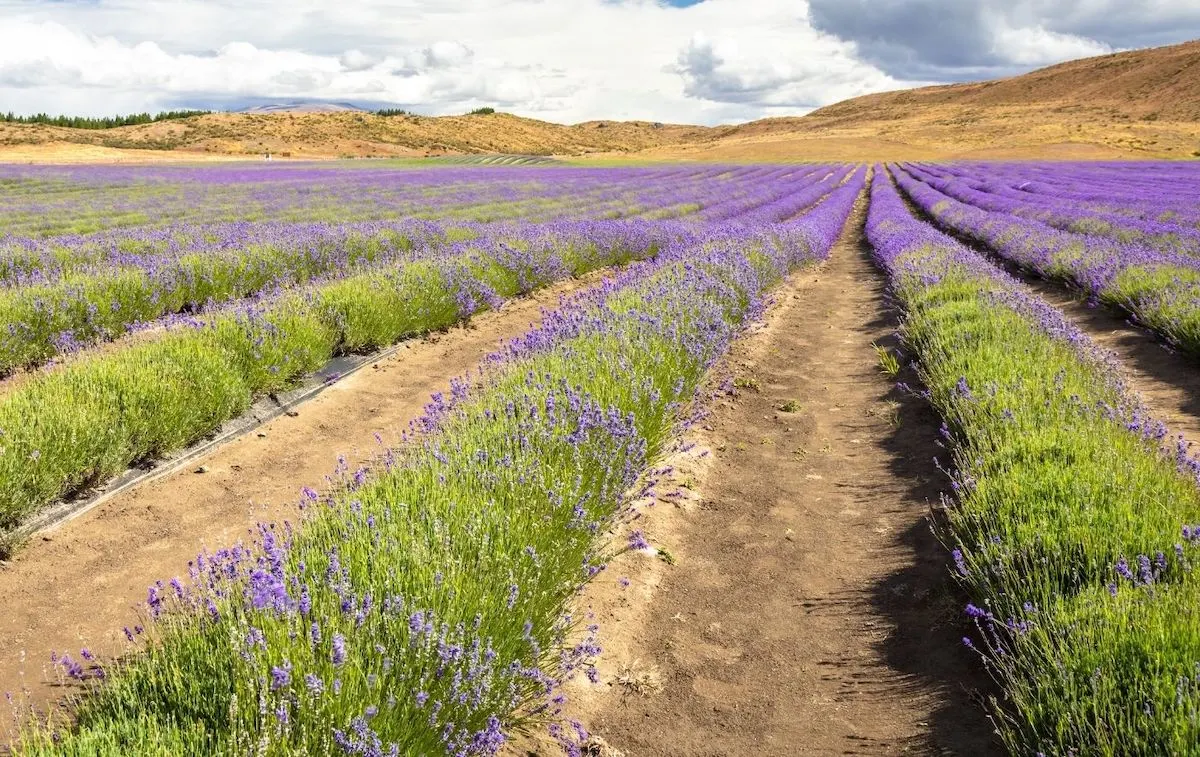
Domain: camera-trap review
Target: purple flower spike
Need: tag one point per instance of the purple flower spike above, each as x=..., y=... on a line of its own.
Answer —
x=637, y=541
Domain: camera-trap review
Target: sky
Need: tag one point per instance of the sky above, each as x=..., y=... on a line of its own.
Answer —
x=679, y=61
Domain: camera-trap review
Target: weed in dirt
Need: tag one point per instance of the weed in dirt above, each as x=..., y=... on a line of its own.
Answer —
x=790, y=406
x=747, y=382
x=10, y=542
x=642, y=681
x=598, y=747
x=888, y=411
x=888, y=362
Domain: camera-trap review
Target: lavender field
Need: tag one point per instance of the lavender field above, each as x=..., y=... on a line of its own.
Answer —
x=429, y=601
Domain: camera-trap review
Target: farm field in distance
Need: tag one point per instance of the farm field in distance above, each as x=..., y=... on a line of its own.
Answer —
x=321, y=458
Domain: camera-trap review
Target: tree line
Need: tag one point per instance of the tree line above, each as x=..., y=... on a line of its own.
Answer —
x=107, y=122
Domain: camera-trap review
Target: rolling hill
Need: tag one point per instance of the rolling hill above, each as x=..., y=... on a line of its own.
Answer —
x=1141, y=103
x=347, y=133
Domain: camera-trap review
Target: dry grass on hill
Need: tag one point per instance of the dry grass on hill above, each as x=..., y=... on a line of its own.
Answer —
x=331, y=135
x=1138, y=104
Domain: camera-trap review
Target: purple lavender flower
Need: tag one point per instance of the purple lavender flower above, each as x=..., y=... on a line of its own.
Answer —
x=339, y=649
x=314, y=684
x=1122, y=568
x=281, y=675
x=637, y=541
x=960, y=563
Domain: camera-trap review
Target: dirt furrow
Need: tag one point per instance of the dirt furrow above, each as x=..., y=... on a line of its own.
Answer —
x=810, y=610
x=78, y=585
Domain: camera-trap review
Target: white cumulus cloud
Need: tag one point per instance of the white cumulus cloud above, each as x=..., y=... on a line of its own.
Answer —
x=569, y=60
x=566, y=61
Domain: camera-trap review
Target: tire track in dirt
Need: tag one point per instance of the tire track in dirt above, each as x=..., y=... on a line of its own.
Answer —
x=79, y=584
x=811, y=611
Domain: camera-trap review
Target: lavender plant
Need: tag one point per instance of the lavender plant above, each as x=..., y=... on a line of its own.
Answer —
x=72, y=428
x=1159, y=289
x=1068, y=506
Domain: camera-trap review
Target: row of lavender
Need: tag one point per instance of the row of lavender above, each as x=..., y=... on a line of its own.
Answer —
x=1131, y=265
x=1071, y=526
x=1125, y=192
x=40, y=201
x=76, y=426
x=66, y=292
x=716, y=192
x=425, y=608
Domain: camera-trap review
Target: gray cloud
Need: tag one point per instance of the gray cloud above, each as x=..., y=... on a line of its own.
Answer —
x=35, y=74
x=914, y=37
x=961, y=39
x=706, y=76
x=1119, y=23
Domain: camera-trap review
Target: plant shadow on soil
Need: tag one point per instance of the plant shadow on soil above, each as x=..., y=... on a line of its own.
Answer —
x=922, y=599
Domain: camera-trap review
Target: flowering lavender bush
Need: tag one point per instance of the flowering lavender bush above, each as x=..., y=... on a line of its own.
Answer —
x=993, y=190
x=81, y=424
x=69, y=291
x=1066, y=521
x=1159, y=288
x=424, y=608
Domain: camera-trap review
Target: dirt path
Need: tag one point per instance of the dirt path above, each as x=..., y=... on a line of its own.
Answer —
x=1168, y=382
x=810, y=610
x=80, y=584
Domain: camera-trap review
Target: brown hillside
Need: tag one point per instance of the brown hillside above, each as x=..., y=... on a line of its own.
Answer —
x=1142, y=103
x=363, y=134
x=1161, y=82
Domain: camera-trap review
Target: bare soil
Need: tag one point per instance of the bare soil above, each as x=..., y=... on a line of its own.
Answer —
x=809, y=609
x=78, y=585
x=55, y=152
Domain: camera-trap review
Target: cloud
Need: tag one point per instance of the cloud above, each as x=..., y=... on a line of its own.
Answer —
x=963, y=39
x=710, y=61
x=46, y=54
x=1038, y=46
x=724, y=71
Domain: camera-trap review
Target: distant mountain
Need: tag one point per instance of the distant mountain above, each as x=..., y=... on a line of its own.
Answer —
x=304, y=107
